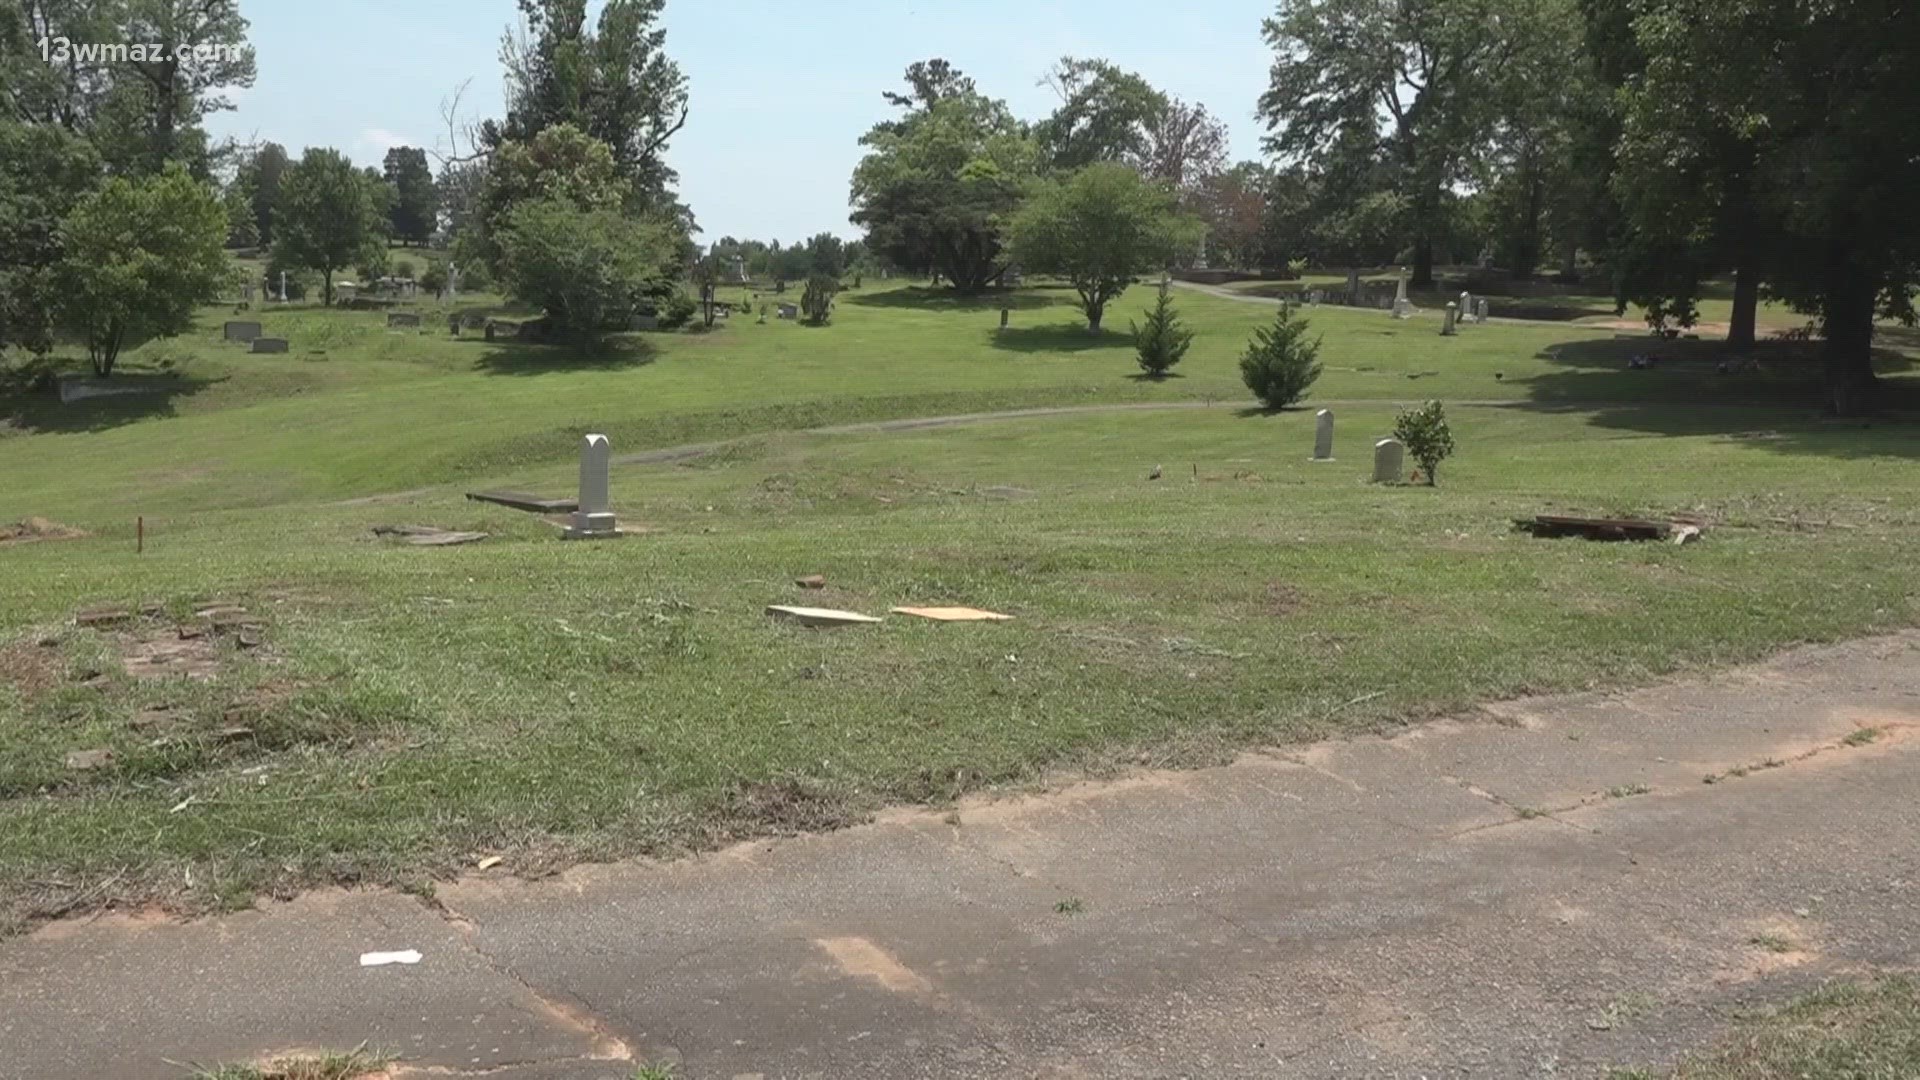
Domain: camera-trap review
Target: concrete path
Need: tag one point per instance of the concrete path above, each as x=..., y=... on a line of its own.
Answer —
x=1548, y=887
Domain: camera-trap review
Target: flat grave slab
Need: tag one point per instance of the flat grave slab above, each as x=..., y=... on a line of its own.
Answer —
x=520, y=500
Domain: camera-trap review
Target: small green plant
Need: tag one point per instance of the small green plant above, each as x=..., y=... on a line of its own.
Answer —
x=1861, y=736
x=1424, y=432
x=653, y=1072
x=1280, y=364
x=1163, y=340
x=1627, y=791
x=1772, y=942
x=816, y=302
x=1528, y=813
x=1073, y=905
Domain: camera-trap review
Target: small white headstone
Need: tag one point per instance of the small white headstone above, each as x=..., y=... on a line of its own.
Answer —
x=1480, y=310
x=1323, y=435
x=595, y=515
x=1466, y=306
x=1389, y=461
x=1453, y=315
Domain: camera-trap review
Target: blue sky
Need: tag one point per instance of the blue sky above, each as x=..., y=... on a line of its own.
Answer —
x=781, y=92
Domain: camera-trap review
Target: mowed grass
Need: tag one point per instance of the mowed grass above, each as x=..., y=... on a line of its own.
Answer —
x=1866, y=1030
x=411, y=711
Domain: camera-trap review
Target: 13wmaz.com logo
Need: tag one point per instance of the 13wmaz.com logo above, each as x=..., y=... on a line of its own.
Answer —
x=60, y=50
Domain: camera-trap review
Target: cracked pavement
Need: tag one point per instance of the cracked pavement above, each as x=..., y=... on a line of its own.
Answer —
x=1547, y=886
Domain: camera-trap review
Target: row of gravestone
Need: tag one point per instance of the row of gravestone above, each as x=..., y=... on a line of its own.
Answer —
x=1389, y=455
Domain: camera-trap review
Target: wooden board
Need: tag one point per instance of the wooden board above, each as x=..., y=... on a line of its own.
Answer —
x=520, y=500
x=952, y=614
x=1549, y=525
x=813, y=616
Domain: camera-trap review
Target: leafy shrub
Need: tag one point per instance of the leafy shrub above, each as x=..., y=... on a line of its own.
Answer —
x=403, y=268
x=677, y=310
x=1280, y=363
x=1162, y=341
x=1424, y=432
x=434, y=278
x=816, y=303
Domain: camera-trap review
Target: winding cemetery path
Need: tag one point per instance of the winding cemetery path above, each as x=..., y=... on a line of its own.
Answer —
x=1541, y=887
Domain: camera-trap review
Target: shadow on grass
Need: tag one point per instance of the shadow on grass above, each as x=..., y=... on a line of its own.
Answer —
x=1773, y=397
x=541, y=358
x=1059, y=337
x=40, y=411
x=943, y=299
x=1155, y=377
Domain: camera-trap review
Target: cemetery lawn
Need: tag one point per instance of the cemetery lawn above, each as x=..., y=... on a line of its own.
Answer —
x=406, y=712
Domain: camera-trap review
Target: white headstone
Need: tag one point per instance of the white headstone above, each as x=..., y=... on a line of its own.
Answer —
x=595, y=515
x=1453, y=315
x=1323, y=435
x=283, y=286
x=1389, y=461
x=1480, y=310
x=1466, y=306
x=1402, y=307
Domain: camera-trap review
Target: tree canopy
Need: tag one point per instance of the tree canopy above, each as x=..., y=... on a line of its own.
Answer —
x=1101, y=228
x=329, y=217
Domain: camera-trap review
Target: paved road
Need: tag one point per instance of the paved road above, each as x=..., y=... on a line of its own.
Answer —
x=1546, y=887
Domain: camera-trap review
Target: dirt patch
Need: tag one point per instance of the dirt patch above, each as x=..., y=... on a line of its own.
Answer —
x=165, y=655
x=1281, y=599
x=32, y=668
x=784, y=807
x=39, y=528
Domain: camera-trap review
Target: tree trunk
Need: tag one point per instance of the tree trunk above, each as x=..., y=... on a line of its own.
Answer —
x=1849, y=347
x=1096, y=310
x=1422, y=262
x=326, y=297
x=1746, y=307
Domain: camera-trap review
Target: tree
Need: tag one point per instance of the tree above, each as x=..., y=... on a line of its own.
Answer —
x=1099, y=229
x=1104, y=115
x=1420, y=82
x=416, y=201
x=816, y=301
x=614, y=83
x=1182, y=145
x=260, y=175
x=588, y=269
x=167, y=92
x=44, y=173
x=937, y=183
x=328, y=219
x=560, y=163
x=1162, y=342
x=827, y=254
x=1821, y=95
x=1280, y=364
x=140, y=255
x=1233, y=204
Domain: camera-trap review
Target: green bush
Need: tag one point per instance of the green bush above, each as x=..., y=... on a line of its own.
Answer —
x=1280, y=363
x=403, y=268
x=816, y=303
x=434, y=278
x=677, y=310
x=1162, y=341
x=1423, y=431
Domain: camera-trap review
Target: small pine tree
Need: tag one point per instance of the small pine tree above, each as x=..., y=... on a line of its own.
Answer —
x=1163, y=341
x=1280, y=363
x=816, y=303
x=1425, y=434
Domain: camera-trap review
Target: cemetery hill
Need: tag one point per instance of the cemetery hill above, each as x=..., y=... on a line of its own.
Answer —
x=1239, y=446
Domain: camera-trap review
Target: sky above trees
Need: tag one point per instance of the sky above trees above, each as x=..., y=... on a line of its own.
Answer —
x=780, y=94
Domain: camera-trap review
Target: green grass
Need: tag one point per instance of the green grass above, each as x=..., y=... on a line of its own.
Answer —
x=350, y=1066
x=1847, y=1031
x=412, y=709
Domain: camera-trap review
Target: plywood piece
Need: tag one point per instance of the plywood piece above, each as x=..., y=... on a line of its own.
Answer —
x=952, y=614
x=814, y=616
